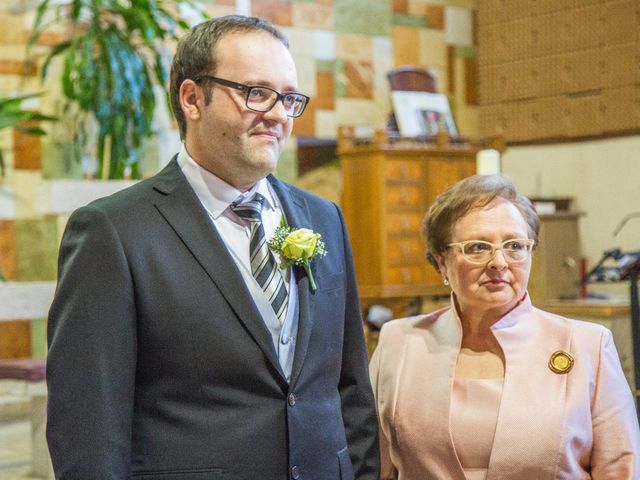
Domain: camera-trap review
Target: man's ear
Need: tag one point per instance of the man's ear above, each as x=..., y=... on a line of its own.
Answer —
x=191, y=98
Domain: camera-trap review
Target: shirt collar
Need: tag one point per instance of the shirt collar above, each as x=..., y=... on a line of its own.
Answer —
x=214, y=193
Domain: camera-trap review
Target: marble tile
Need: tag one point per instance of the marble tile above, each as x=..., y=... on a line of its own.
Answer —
x=65, y=196
x=405, y=45
x=301, y=42
x=25, y=183
x=313, y=15
x=218, y=10
x=434, y=17
x=357, y=112
x=7, y=202
x=12, y=31
x=382, y=62
x=307, y=75
x=8, y=249
x=304, y=126
x=15, y=446
x=400, y=6
x=17, y=67
x=354, y=46
x=15, y=338
x=40, y=460
x=39, y=338
x=324, y=45
x=287, y=168
x=278, y=12
x=326, y=124
x=58, y=161
x=458, y=26
x=36, y=249
x=408, y=20
x=432, y=49
x=324, y=97
x=340, y=80
x=351, y=17
x=326, y=66
x=359, y=79
x=27, y=150
x=25, y=300
x=61, y=223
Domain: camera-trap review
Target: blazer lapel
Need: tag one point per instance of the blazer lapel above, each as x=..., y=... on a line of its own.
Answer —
x=533, y=397
x=180, y=207
x=297, y=214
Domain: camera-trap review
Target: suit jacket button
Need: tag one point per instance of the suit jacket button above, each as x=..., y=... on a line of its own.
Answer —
x=295, y=472
x=291, y=399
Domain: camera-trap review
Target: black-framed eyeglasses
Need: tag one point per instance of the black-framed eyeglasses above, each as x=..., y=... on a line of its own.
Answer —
x=478, y=251
x=262, y=99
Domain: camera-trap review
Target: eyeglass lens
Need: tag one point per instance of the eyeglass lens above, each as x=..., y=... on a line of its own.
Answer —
x=263, y=99
x=514, y=250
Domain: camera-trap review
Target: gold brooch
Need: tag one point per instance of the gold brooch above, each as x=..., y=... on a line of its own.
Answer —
x=560, y=362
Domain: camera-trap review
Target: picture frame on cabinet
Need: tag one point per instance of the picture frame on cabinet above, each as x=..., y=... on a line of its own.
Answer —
x=422, y=113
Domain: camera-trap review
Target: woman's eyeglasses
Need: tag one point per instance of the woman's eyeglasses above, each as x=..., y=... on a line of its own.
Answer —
x=479, y=251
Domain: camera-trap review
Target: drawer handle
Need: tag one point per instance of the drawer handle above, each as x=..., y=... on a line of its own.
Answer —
x=404, y=196
x=404, y=170
x=406, y=250
x=404, y=223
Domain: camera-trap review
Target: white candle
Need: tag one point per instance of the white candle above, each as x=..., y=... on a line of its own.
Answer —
x=488, y=162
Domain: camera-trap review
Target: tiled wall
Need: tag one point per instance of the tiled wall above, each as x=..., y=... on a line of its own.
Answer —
x=343, y=50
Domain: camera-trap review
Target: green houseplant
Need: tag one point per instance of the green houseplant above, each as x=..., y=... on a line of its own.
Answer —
x=13, y=115
x=112, y=59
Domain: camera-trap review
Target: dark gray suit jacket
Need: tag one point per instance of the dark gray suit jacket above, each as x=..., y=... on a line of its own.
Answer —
x=160, y=366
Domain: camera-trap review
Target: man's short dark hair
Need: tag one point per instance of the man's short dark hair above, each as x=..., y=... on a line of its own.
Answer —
x=195, y=54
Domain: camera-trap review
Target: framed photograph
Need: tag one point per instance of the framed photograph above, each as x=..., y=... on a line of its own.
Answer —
x=422, y=113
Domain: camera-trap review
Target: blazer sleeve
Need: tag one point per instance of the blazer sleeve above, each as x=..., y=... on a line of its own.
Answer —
x=358, y=407
x=387, y=469
x=92, y=353
x=616, y=437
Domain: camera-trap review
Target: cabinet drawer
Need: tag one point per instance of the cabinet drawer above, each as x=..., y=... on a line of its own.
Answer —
x=404, y=251
x=407, y=274
x=409, y=222
x=403, y=196
x=402, y=170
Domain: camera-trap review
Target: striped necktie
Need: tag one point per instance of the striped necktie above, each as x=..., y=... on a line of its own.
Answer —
x=263, y=264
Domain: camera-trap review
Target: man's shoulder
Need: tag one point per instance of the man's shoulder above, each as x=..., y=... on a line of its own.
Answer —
x=135, y=195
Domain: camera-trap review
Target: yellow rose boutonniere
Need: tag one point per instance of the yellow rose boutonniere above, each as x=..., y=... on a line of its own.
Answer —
x=297, y=246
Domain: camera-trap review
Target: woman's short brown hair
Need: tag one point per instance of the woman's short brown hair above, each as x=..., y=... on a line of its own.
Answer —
x=472, y=192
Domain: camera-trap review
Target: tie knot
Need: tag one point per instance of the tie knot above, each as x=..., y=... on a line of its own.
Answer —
x=251, y=210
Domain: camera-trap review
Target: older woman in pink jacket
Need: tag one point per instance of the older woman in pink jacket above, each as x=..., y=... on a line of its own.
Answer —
x=492, y=387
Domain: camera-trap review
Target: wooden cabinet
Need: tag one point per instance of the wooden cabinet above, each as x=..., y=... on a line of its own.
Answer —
x=388, y=187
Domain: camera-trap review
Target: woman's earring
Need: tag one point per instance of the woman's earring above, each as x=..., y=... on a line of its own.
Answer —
x=446, y=281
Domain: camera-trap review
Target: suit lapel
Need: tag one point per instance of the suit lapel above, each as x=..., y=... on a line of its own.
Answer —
x=297, y=214
x=179, y=205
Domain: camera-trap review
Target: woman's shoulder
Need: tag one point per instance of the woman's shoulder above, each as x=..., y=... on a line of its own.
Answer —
x=403, y=326
x=579, y=329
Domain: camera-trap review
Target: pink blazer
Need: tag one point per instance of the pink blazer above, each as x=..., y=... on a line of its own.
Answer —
x=577, y=425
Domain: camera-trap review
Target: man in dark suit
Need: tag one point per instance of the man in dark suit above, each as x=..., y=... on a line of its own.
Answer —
x=179, y=349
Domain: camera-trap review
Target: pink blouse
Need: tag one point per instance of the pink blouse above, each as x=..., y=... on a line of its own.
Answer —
x=473, y=417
